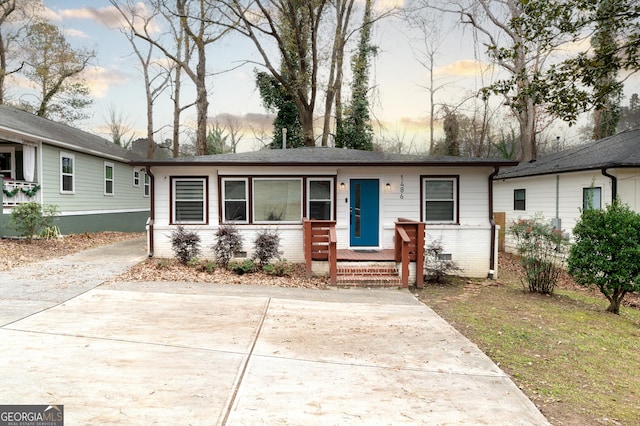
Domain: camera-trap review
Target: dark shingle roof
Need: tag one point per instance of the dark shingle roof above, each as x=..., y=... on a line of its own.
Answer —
x=30, y=126
x=323, y=156
x=621, y=150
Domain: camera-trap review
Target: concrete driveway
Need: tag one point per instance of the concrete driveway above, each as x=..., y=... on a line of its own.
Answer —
x=190, y=353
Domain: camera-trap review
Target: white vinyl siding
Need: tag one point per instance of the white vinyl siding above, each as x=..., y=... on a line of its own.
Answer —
x=189, y=200
x=67, y=173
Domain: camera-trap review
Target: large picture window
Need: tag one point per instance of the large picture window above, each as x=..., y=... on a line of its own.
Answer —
x=520, y=199
x=108, y=178
x=236, y=201
x=189, y=200
x=277, y=200
x=440, y=199
x=320, y=196
x=67, y=173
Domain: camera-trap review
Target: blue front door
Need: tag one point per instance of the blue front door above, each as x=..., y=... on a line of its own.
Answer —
x=365, y=212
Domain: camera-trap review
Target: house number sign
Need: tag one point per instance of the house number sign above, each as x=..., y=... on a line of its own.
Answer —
x=402, y=187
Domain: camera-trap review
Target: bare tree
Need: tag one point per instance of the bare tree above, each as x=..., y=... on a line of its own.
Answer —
x=155, y=76
x=199, y=20
x=119, y=127
x=15, y=18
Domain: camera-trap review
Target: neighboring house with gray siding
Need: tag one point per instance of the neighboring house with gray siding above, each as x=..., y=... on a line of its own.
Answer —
x=88, y=178
x=364, y=193
x=559, y=185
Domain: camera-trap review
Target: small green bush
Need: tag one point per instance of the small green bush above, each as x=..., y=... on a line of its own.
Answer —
x=207, y=266
x=542, y=249
x=185, y=244
x=279, y=269
x=266, y=246
x=244, y=267
x=228, y=243
x=606, y=252
x=50, y=233
x=29, y=218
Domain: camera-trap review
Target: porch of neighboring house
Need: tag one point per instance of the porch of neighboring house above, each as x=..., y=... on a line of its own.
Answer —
x=367, y=268
x=18, y=174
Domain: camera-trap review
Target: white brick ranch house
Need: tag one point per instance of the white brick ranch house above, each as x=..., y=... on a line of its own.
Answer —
x=363, y=197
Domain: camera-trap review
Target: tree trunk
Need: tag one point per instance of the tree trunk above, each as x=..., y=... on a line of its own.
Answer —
x=614, y=306
x=202, y=104
x=306, y=121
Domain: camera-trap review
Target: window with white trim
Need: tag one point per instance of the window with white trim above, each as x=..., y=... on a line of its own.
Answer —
x=277, y=200
x=189, y=200
x=235, y=196
x=440, y=199
x=592, y=198
x=320, y=199
x=147, y=185
x=108, y=178
x=67, y=173
x=136, y=177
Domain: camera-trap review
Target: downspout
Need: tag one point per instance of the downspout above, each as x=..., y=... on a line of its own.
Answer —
x=152, y=214
x=492, y=253
x=614, y=184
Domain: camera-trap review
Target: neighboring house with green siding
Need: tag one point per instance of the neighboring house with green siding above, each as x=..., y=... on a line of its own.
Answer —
x=87, y=177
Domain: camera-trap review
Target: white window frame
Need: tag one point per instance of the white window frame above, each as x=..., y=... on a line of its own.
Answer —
x=593, y=190
x=175, y=200
x=147, y=185
x=224, y=199
x=72, y=174
x=275, y=222
x=330, y=199
x=136, y=178
x=112, y=179
x=423, y=196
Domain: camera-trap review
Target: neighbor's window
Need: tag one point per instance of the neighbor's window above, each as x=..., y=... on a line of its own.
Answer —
x=277, y=200
x=235, y=200
x=592, y=198
x=108, y=178
x=147, y=185
x=189, y=200
x=519, y=199
x=136, y=177
x=67, y=173
x=440, y=199
x=320, y=199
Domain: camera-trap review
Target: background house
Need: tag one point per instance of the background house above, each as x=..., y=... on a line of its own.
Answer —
x=88, y=178
x=364, y=192
x=559, y=185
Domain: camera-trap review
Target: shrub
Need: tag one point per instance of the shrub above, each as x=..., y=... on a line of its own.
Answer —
x=241, y=268
x=606, y=252
x=207, y=266
x=266, y=246
x=185, y=244
x=542, y=250
x=228, y=243
x=50, y=233
x=436, y=266
x=279, y=269
x=28, y=218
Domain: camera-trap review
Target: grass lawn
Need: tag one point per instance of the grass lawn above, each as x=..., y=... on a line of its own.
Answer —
x=579, y=364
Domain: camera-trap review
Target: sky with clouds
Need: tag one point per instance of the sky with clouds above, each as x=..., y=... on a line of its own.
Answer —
x=400, y=102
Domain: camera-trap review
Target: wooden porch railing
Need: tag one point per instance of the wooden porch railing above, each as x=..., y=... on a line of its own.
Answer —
x=18, y=192
x=409, y=247
x=320, y=243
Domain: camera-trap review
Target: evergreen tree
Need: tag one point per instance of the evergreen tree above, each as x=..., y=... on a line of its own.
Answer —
x=355, y=131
